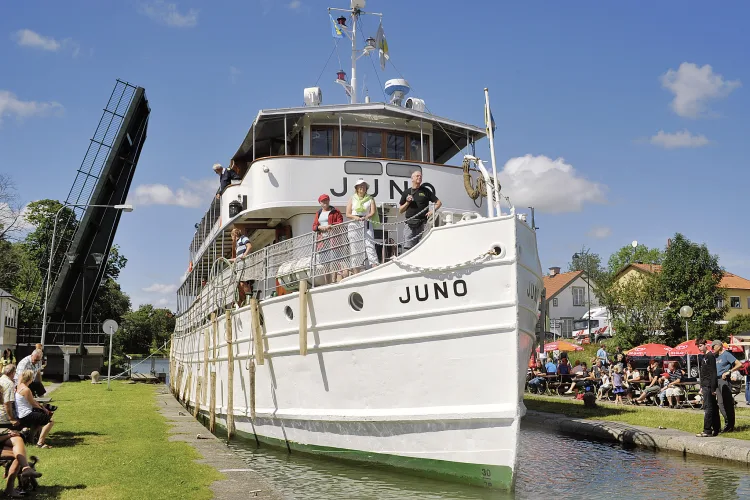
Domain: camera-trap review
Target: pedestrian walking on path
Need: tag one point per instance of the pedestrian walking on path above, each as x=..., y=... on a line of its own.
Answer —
x=709, y=384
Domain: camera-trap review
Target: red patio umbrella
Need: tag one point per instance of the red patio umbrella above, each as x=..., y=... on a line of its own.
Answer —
x=561, y=345
x=647, y=350
x=689, y=348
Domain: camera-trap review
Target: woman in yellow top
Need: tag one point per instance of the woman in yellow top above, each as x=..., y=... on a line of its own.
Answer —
x=7, y=358
x=362, y=210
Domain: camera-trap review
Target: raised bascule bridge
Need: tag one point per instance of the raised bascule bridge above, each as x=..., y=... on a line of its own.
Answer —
x=82, y=239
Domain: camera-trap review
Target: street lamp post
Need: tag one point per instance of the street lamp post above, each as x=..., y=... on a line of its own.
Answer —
x=588, y=286
x=687, y=313
x=124, y=208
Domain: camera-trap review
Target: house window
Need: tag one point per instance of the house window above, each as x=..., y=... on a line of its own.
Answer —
x=321, y=142
x=579, y=296
x=748, y=306
x=734, y=303
x=554, y=302
x=720, y=303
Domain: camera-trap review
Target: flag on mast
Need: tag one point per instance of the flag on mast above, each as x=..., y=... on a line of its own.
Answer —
x=382, y=44
x=489, y=120
x=336, y=30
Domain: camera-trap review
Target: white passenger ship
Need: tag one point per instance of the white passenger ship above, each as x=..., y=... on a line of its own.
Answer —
x=418, y=362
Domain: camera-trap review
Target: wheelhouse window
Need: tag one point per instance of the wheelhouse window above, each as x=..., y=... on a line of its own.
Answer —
x=372, y=143
x=349, y=142
x=395, y=146
x=415, y=147
x=321, y=141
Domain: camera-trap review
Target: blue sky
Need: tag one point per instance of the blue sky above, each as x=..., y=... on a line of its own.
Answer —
x=619, y=122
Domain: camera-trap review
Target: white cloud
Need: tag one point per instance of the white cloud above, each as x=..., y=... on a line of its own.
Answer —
x=162, y=302
x=167, y=13
x=600, y=232
x=233, y=74
x=28, y=38
x=161, y=288
x=693, y=86
x=681, y=139
x=551, y=186
x=10, y=105
x=294, y=5
x=193, y=194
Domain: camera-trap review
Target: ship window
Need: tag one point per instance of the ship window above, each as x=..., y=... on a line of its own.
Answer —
x=372, y=143
x=395, y=146
x=400, y=169
x=321, y=142
x=415, y=149
x=349, y=143
x=363, y=167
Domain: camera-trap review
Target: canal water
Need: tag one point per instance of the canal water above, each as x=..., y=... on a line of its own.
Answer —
x=550, y=466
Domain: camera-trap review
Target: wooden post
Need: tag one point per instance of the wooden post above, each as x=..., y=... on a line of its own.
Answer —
x=206, y=339
x=212, y=409
x=198, y=387
x=303, y=317
x=257, y=332
x=188, y=387
x=230, y=375
x=252, y=390
x=215, y=326
x=180, y=371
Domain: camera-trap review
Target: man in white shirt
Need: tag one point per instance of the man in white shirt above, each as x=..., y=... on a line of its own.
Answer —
x=32, y=362
x=7, y=391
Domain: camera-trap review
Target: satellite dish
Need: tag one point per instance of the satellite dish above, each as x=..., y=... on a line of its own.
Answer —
x=634, y=244
x=110, y=326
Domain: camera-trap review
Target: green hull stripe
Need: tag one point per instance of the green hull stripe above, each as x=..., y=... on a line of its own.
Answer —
x=487, y=476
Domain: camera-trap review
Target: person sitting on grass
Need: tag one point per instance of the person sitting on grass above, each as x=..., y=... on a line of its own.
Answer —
x=654, y=379
x=30, y=412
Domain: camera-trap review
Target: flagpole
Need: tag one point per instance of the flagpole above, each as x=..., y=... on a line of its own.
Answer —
x=355, y=16
x=491, y=135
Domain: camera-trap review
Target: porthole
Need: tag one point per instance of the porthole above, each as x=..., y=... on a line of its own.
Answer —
x=356, y=302
x=289, y=313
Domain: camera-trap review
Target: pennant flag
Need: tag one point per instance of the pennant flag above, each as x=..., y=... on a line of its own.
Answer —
x=382, y=44
x=489, y=120
x=336, y=31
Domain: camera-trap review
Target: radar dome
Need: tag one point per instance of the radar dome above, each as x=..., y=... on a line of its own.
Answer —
x=397, y=89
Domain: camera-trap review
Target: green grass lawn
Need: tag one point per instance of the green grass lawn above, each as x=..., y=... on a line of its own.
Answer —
x=647, y=416
x=113, y=444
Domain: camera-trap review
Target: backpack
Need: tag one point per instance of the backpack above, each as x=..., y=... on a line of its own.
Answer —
x=745, y=368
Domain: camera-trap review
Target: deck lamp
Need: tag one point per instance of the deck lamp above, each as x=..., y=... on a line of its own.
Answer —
x=687, y=313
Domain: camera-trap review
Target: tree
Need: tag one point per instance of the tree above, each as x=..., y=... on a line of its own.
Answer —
x=588, y=262
x=690, y=276
x=10, y=207
x=115, y=263
x=111, y=303
x=143, y=330
x=628, y=255
x=637, y=310
x=735, y=326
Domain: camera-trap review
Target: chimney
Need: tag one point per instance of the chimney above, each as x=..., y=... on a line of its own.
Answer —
x=554, y=271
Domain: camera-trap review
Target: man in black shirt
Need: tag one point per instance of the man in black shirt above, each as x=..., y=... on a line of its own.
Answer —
x=415, y=201
x=709, y=384
x=226, y=176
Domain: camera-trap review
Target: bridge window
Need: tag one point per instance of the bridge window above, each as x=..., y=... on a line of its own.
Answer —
x=349, y=142
x=415, y=148
x=395, y=146
x=400, y=169
x=372, y=143
x=321, y=141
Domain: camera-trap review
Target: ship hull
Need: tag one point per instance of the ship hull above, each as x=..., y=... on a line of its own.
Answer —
x=427, y=376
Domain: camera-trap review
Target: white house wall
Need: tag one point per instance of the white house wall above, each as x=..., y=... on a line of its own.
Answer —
x=565, y=307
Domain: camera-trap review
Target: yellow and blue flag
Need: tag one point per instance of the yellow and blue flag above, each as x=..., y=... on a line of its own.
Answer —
x=489, y=120
x=382, y=44
x=336, y=30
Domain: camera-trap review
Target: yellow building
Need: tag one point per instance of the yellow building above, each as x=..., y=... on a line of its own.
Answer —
x=737, y=288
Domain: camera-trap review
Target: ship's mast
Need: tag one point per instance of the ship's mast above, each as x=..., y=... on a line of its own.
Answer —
x=355, y=11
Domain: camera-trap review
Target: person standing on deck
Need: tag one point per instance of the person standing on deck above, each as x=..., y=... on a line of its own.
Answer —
x=226, y=176
x=709, y=384
x=726, y=363
x=415, y=202
x=363, y=210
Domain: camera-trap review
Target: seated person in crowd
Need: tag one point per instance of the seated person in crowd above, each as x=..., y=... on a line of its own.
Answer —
x=33, y=362
x=632, y=379
x=537, y=383
x=551, y=367
x=598, y=369
x=582, y=380
x=563, y=369
x=577, y=368
x=30, y=412
x=653, y=388
x=605, y=388
x=674, y=391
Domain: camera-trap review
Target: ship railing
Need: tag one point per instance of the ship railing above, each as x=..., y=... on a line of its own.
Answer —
x=206, y=227
x=319, y=258
x=64, y=333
